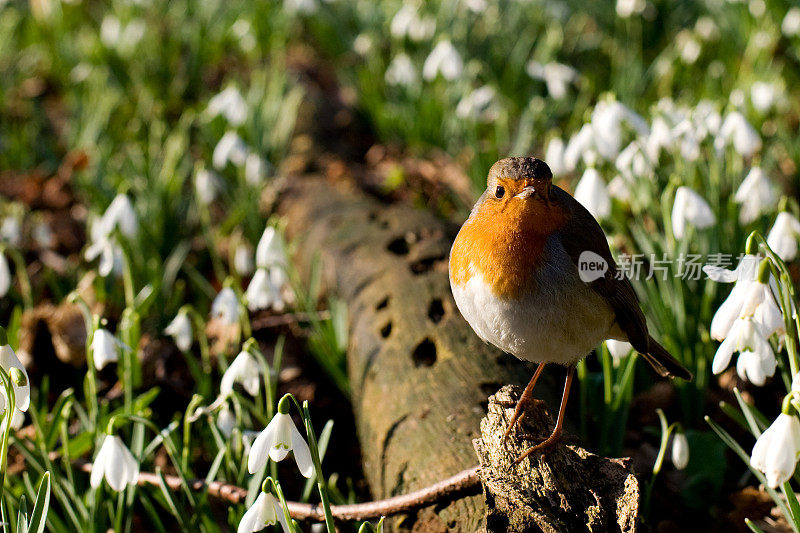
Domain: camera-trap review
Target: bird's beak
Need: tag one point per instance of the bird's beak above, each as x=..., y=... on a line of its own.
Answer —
x=526, y=192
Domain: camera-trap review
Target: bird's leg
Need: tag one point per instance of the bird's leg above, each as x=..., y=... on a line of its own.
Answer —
x=555, y=436
x=526, y=396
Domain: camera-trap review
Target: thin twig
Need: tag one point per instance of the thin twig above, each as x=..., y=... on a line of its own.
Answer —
x=285, y=319
x=464, y=483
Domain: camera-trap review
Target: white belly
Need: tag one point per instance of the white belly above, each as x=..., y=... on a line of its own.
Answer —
x=559, y=321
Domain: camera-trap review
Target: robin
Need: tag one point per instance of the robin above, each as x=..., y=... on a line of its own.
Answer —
x=531, y=272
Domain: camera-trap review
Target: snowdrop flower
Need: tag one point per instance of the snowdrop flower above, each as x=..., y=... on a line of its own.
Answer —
x=763, y=96
x=11, y=230
x=591, y=192
x=796, y=382
x=5, y=275
x=706, y=29
x=690, y=207
x=618, y=349
x=363, y=44
x=255, y=169
x=110, y=30
x=43, y=235
x=277, y=440
x=580, y=146
x=783, y=236
x=680, y=450
x=110, y=254
x=116, y=463
x=632, y=162
x=120, y=215
x=22, y=387
x=401, y=71
x=105, y=348
x=300, y=7
x=626, y=8
x=706, y=119
x=747, y=269
x=243, y=259
x=756, y=195
x=555, y=156
x=230, y=104
x=230, y=148
x=180, y=329
x=207, y=185
x=407, y=22
x=17, y=419
x=745, y=337
x=775, y=452
x=265, y=511
x=791, y=23
x=688, y=47
x=476, y=6
x=736, y=130
x=244, y=370
x=270, y=250
x=263, y=292
x=557, y=77
x=608, y=117
x=444, y=60
x=226, y=420
x=479, y=104
x=619, y=188
x=225, y=306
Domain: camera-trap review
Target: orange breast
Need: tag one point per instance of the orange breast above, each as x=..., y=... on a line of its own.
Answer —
x=504, y=244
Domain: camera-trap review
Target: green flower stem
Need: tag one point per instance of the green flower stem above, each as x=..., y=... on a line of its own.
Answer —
x=199, y=324
x=194, y=403
x=211, y=240
x=127, y=279
x=22, y=274
x=92, y=323
x=8, y=416
x=323, y=490
x=281, y=498
x=666, y=430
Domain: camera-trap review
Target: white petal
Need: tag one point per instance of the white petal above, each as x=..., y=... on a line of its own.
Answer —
x=251, y=521
x=723, y=356
x=302, y=454
x=115, y=470
x=100, y=463
x=260, y=449
x=592, y=193
x=5, y=276
x=618, y=349
x=282, y=442
x=680, y=451
x=22, y=393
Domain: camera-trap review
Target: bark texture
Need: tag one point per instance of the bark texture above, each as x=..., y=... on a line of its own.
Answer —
x=420, y=377
x=565, y=488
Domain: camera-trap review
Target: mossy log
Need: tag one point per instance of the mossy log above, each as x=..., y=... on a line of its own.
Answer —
x=420, y=377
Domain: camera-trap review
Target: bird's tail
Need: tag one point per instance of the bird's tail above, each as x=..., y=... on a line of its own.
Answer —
x=663, y=363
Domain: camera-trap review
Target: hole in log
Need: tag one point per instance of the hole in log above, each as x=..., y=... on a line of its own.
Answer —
x=425, y=353
x=422, y=266
x=436, y=310
x=382, y=304
x=386, y=330
x=372, y=216
x=398, y=246
x=490, y=387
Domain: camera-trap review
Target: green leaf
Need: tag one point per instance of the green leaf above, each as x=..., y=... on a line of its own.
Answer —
x=42, y=505
x=22, y=516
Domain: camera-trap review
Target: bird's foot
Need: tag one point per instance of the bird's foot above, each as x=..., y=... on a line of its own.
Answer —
x=519, y=411
x=543, y=445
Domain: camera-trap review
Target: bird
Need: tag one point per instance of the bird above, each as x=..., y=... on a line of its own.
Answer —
x=531, y=272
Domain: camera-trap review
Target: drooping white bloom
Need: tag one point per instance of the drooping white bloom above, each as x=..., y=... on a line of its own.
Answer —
x=17, y=419
x=554, y=156
x=231, y=148
x=736, y=130
x=105, y=348
x=263, y=291
x=479, y=104
x=110, y=254
x=408, y=22
x=120, y=215
x=619, y=188
x=225, y=306
x=11, y=230
x=401, y=71
x=626, y=8
x=300, y=7
x=43, y=235
x=243, y=259
x=556, y=76
x=592, y=193
x=265, y=511
x=783, y=236
x=580, y=146
x=763, y=95
x=608, y=118
x=363, y=44
x=276, y=441
x=689, y=47
x=754, y=368
x=680, y=450
x=116, y=463
x=706, y=28
x=271, y=250
x=255, y=169
x=747, y=269
x=5, y=275
x=775, y=452
x=756, y=195
x=476, y=6
x=226, y=420
x=745, y=336
x=791, y=23
x=444, y=59
x=180, y=329
x=230, y=104
x=207, y=185
x=22, y=391
x=690, y=208
x=618, y=349
x=245, y=370
x=633, y=162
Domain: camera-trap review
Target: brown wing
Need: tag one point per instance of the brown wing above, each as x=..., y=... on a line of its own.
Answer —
x=583, y=233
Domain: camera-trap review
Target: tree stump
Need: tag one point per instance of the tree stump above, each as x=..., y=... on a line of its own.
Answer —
x=419, y=376
x=565, y=488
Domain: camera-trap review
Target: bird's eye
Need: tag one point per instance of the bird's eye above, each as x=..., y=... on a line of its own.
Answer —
x=500, y=191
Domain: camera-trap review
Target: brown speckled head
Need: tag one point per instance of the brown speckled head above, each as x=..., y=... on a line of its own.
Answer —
x=517, y=168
